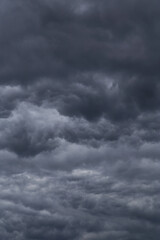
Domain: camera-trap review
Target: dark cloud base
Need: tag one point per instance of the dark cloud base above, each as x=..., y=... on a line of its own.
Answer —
x=79, y=120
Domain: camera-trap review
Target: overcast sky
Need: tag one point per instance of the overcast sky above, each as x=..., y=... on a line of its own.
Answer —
x=79, y=119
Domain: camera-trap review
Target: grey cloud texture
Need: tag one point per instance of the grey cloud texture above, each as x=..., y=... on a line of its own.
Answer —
x=79, y=120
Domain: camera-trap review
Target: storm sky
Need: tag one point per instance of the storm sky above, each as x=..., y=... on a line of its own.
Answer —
x=79, y=119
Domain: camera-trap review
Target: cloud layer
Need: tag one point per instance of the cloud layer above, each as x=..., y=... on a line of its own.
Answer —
x=79, y=120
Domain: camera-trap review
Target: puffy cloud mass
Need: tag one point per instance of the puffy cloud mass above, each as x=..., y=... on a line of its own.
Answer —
x=79, y=120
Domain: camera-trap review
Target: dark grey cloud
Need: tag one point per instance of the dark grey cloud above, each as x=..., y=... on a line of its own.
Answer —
x=79, y=120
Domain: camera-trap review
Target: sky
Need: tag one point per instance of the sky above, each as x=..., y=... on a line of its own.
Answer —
x=79, y=119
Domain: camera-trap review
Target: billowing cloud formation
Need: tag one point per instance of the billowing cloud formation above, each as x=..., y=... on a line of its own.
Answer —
x=79, y=120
